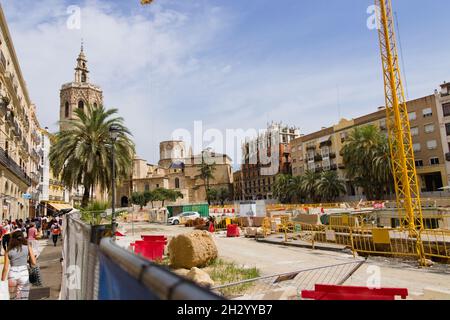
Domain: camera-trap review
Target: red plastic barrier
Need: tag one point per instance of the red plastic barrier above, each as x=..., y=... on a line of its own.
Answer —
x=153, y=250
x=331, y=292
x=154, y=238
x=232, y=230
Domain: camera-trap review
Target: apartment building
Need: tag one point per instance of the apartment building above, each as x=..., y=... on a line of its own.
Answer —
x=320, y=151
x=19, y=139
x=263, y=158
x=443, y=111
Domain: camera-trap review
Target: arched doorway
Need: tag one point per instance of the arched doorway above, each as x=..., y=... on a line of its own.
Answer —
x=124, y=202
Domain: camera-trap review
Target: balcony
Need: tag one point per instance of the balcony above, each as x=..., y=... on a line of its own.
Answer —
x=327, y=143
x=35, y=177
x=9, y=163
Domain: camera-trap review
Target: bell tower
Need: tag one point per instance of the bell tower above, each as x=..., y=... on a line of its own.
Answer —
x=80, y=92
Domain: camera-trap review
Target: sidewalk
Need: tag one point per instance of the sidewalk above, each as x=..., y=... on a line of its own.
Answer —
x=51, y=271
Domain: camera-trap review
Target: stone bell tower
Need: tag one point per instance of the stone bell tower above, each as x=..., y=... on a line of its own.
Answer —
x=79, y=93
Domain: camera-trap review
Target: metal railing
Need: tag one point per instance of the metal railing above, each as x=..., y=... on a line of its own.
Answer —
x=288, y=286
x=88, y=252
x=160, y=281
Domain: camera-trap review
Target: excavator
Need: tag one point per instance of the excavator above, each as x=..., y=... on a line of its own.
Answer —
x=399, y=132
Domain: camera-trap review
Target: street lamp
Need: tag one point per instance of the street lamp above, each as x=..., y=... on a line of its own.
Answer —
x=114, y=132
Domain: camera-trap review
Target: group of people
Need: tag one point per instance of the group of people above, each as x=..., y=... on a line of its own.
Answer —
x=20, y=245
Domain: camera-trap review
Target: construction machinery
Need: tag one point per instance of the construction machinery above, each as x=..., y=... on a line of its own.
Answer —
x=399, y=131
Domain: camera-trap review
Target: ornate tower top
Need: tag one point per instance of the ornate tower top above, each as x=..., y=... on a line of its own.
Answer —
x=81, y=70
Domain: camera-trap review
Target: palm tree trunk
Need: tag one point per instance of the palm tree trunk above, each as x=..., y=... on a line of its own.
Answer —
x=86, y=195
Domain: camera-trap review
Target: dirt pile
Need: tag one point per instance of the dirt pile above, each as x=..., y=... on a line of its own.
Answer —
x=195, y=249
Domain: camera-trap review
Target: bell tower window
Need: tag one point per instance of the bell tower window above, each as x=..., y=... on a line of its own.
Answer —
x=67, y=110
x=83, y=77
x=81, y=105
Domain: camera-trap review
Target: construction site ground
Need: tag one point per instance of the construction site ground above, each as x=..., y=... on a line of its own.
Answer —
x=272, y=258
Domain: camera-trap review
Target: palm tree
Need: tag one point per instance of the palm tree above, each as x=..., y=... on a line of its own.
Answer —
x=207, y=174
x=81, y=154
x=330, y=186
x=310, y=180
x=297, y=190
x=281, y=188
x=367, y=160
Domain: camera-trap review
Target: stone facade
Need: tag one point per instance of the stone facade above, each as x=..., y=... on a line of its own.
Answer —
x=19, y=137
x=176, y=170
x=80, y=92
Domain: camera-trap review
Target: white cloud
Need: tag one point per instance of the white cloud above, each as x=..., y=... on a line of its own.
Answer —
x=166, y=65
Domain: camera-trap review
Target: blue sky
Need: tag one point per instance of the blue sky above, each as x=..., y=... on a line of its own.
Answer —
x=231, y=64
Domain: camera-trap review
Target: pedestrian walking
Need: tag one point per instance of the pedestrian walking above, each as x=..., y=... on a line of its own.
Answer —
x=32, y=238
x=7, y=229
x=16, y=266
x=56, y=231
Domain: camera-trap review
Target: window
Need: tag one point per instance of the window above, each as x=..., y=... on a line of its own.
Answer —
x=432, y=144
x=428, y=112
x=177, y=183
x=412, y=116
x=81, y=105
x=434, y=161
x=446, y=109
x=429, y=128
x=447, y=128
x=147, y=187
x=95, y=105
x=419, y=163
x=415, y=131
x=416, y=147
x=67, y=110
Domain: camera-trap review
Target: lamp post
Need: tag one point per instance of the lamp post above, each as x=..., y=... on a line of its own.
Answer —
x=113, y=133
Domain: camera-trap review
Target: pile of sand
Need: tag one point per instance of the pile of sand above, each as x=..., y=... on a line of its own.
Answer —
x=195, y=249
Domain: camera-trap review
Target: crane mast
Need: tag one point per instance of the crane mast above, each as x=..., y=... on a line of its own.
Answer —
x=400, y=140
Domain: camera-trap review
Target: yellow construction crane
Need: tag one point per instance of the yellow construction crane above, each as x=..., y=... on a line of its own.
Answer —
x=400, y=140
x=397, y=120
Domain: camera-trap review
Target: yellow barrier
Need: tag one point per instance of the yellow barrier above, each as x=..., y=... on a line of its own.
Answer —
x=436, y=243
x=363, y=240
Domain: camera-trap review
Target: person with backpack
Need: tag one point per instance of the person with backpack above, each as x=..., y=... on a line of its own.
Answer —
x=16, y=266
x=56, y=231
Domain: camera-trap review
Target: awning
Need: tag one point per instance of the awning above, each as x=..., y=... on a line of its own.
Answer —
x=59, y=206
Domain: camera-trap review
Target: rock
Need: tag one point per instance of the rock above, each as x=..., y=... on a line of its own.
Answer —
x=181, y=272
x=195, y=249
x=200, y=277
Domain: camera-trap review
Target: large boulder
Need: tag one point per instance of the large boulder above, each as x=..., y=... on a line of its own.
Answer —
x=200, y=277
x=195, y=249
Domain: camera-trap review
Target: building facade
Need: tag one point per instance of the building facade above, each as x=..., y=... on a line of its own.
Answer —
x=19, y=139
x=177, y=170
x=321, y=150
x=443, y=111
x=263, y=158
